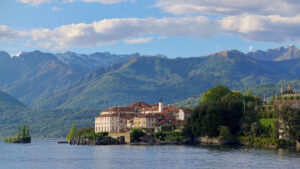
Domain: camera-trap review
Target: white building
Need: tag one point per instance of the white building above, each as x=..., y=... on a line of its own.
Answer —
x=137, y=115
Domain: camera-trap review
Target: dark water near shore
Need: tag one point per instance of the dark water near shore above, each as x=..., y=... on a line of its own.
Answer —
x=47, y=154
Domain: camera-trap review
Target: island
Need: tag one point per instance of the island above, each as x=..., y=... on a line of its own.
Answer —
x=221, y=117
x=20, y=138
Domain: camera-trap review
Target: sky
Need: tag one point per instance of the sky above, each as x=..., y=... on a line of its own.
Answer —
x=175, y=28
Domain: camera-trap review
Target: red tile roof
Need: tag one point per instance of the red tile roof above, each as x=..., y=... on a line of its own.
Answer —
x=152, y=115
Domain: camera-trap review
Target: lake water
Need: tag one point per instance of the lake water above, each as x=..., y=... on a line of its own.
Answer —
x=47, y=154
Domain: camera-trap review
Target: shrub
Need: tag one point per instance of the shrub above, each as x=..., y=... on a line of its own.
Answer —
x=136, y=134
x=95, y=135
x=224, y=131
x=160, y=135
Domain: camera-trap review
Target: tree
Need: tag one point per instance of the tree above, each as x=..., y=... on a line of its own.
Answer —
x=136, y=134
x=290, y=118
x=215, y=94
x=218, y=107
x=19, y=133
x=73, y=132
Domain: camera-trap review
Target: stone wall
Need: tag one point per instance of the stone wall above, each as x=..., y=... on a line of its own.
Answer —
x=126, y=135
x=208, y=140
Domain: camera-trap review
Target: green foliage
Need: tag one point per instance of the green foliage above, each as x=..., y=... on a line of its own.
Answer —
x=276, y=128
x=168, y=135
x=160, y=135
x=73, y=132
x=291, y=119
x=219, y=107
x=215, y=94
x=95, y=135
x=86, y=130
x=265, y=142
x=24, y=138
x=267, y=114
x=224, y=131
x=268, y=122
x=136, y=134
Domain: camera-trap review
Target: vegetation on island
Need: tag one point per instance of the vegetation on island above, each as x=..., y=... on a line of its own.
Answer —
x=234, y=117
x=23, y=136
x=85, y=132
x=291, y=118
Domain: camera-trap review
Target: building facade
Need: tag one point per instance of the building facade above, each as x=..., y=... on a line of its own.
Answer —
x=138, y=115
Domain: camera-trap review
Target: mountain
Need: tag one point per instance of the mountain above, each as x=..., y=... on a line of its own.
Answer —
x=75, y=87
x=150, y=78
x=33, y=76
x=8, y=103
x=278, y=54
x=87, y=63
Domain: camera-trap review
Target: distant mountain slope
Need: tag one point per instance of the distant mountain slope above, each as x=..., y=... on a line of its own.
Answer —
x=8, y=103
x=150, y=78
x=278, y=54
x=33, y=76
x=89, y=62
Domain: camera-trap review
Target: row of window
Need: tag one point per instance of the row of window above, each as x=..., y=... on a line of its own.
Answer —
x=106, y=128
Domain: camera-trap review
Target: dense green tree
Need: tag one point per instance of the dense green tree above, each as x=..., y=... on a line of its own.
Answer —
x=19, y=132
x=219, y=107
x=290, y=118
x=136, y=134
x=215, y=94
x=73, y=132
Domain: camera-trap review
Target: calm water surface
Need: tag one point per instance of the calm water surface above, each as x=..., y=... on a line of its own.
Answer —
x=47, y=154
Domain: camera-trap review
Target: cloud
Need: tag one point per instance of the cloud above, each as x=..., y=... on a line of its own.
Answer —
x=271, y=28
x=54, y=8
x=8, y=33
x=107, y=1
x=138, y=40
x=230, y=7
x=111, y=31
x=34, y=2
x=15, y=54
x=38, y=2
x=250, y=48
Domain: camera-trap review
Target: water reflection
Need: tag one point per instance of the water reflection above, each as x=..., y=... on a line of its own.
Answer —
x=49, y=154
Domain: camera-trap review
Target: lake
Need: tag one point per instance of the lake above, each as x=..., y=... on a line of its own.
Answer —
x=47, y=154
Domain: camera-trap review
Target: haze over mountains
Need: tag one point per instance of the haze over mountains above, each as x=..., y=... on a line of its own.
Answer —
x=100, y=80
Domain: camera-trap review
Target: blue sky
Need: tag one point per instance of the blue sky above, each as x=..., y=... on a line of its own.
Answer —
x=175, y=28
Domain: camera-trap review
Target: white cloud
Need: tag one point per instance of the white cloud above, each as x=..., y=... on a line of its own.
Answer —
x=250, y=48
x=8, y=33
x=110, y=31
x=271, y=28
x=107, y=1
x=38, y=2
x=54, y=8
x=34, y=2
x=15, y=54
x=138, y=40
x=231, y=7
